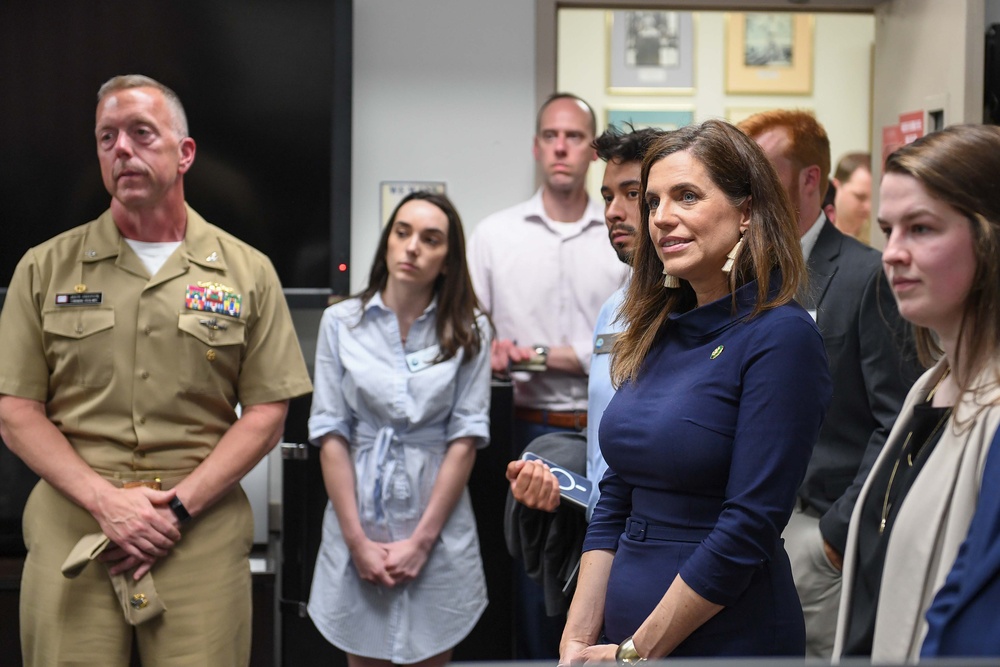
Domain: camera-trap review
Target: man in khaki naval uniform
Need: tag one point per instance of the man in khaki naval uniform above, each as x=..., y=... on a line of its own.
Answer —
x=127, y=344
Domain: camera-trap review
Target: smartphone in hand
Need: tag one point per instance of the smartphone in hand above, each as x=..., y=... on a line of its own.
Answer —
x=572, y=487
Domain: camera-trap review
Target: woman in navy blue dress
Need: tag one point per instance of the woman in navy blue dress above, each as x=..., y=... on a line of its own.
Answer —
x=723, y=385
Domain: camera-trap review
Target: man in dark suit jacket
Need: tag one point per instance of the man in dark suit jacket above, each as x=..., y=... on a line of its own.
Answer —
x=872, y=364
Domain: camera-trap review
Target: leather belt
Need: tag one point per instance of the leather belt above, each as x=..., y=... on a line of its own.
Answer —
x=573, y=419
x=151, y=479
x=154, y=484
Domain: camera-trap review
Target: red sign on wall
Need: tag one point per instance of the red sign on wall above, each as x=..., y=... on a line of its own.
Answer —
x=892, y=138
x=909, y=129
x=911, y=124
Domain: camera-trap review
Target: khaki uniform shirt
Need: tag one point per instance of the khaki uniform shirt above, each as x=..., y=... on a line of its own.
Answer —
x=140, y=372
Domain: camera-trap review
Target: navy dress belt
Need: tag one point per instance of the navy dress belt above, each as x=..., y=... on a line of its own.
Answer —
x=641, y=530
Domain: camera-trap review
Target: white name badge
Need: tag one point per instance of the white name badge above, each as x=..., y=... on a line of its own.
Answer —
x=421, y=359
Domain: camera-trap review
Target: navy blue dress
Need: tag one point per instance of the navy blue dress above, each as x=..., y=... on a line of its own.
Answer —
x=706, y=451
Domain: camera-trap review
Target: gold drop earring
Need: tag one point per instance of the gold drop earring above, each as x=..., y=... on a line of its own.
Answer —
x=669, y=281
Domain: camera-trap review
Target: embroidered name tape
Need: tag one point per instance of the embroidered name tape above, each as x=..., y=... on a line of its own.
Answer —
x=80, y=299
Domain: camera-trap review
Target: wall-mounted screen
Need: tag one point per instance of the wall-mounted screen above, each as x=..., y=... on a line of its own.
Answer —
x=257, y=79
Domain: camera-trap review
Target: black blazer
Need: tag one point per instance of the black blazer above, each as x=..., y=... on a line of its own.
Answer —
x=873, y=362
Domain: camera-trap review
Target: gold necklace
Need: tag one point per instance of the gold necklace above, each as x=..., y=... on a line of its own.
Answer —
x=909, y=458
x=892, y=476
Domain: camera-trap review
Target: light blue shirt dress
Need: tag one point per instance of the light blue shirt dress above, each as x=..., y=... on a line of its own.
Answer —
x=398, y=409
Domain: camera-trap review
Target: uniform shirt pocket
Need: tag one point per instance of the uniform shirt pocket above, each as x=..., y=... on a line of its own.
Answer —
x=211, y=349
x=79, y=345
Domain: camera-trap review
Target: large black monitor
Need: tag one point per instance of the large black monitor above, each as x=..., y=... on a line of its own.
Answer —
x=266, y=85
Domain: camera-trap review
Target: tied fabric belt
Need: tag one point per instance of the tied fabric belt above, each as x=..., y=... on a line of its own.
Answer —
x=641, y=530
x=574, y=419
x=393, y=485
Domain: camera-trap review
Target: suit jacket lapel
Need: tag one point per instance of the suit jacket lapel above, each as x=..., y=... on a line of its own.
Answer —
x=822, y=265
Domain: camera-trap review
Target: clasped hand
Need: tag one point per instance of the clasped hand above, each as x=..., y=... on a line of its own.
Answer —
x=579, y=653
x=140, y=525
x=389, y=564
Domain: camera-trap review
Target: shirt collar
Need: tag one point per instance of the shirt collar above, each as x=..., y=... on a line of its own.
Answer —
x=200, y=244
x=534, y=211
x=713, y=318
x=808, y=239
x=103, y=239
x=377, y=302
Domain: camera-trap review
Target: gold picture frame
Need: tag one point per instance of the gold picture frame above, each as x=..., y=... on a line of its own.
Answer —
x=769, y=53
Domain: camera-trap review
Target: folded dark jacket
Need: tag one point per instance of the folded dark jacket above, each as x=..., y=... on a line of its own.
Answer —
x=549, y=543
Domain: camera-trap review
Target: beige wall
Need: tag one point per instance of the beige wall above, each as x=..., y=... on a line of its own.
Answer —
x=929, y=56
x=841, y=96
x=444, y=90
x=437, y=97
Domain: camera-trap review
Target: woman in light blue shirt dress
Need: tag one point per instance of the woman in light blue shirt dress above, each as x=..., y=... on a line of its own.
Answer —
x=401, y=403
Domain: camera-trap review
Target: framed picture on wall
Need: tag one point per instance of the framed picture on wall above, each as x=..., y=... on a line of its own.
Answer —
x=737, y=115
x=650, y=52
x=392, y=192
x=661, y=118
x=769, y=53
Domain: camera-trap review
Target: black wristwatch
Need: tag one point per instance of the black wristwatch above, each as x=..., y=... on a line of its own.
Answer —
x=177, y=507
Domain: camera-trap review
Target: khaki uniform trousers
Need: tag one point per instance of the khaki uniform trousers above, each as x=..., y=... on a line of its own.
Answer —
x=816, y=580
x=204, y=582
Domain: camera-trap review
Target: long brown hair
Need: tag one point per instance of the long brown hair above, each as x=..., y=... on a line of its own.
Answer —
x=739, y=168
x=457, y=306
x=959, y=165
